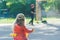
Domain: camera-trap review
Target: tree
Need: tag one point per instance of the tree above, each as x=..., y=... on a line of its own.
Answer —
x=16, y=8
x=57, y=5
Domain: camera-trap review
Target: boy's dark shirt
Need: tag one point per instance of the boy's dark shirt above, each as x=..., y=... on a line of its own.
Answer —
x=33, y=10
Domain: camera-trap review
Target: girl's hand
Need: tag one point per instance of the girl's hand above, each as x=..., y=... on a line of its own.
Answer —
x=33, y=30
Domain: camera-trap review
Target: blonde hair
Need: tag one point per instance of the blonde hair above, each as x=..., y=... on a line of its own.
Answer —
x=20, y=19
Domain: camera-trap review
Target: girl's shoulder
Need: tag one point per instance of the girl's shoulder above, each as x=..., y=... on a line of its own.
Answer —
x=16, y=25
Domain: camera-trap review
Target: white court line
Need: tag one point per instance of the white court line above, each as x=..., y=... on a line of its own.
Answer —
x=4, y=37
x=5, y=24
x=6, y=30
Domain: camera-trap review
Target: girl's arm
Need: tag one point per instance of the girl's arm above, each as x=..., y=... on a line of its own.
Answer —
x=27, y=30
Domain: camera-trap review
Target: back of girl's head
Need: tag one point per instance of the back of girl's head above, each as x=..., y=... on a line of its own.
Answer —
x=20, y=19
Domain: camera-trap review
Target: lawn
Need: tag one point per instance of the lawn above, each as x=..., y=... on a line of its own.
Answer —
x=11, y=20
x=6, y=20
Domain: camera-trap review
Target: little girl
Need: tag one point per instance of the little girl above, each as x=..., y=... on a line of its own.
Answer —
x=20, y=29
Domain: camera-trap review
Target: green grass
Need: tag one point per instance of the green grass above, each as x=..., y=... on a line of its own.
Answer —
x=6, y=20
x=11, y=20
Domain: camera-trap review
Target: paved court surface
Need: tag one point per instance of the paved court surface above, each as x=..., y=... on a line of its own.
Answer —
x=49, y=31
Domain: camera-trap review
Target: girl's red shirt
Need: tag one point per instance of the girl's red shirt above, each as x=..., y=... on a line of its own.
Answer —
x=21, y=32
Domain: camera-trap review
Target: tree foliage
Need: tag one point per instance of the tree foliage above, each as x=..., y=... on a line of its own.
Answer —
x=17, y=6
x=53, y=4
x=57, y=4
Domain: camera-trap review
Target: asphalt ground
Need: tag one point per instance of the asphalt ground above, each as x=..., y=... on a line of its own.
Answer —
x=42, y=31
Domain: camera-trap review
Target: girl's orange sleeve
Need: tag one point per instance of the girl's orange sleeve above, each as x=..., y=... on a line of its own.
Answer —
x=28, y=31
